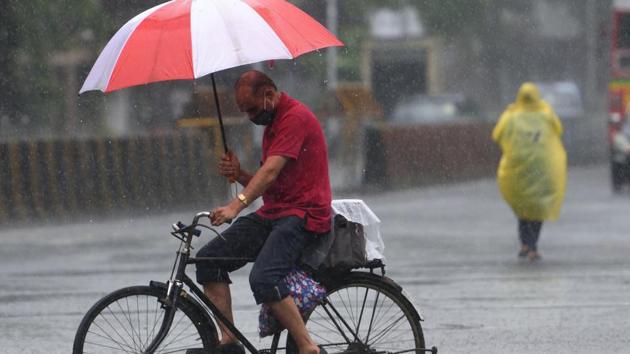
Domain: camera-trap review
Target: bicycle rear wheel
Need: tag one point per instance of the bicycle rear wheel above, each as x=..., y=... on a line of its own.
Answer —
x=365, y=314
x=127, y=320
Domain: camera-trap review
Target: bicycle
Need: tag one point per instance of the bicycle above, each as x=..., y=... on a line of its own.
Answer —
x=363, y=312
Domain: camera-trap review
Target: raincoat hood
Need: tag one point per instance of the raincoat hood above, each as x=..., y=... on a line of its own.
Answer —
x=528, y=97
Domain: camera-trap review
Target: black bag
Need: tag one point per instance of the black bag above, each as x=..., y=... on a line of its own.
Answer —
x=342, y=249
x=348, y=247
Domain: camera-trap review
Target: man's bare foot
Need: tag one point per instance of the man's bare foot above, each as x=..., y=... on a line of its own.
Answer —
x=533, y=256
x=523, y=252
x=230, y=348
x=311, y=349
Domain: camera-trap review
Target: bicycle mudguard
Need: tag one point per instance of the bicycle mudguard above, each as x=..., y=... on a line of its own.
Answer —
x=339, y=277
x=185, y=297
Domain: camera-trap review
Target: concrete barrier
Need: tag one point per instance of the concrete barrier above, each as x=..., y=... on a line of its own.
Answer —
x=401, y=156
x=57, y=178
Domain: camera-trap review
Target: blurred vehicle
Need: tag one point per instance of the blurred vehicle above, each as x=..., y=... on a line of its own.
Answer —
x=425, y=109
x=620, y=156
x=566, y=100
x=619, y=90
x=564, y=97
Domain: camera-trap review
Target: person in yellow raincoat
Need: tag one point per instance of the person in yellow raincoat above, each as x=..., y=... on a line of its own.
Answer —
x=533, y=168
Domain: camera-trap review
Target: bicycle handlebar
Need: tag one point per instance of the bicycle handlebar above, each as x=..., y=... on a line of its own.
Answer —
x=179, y=227
x=200, y=215
x=207, y=214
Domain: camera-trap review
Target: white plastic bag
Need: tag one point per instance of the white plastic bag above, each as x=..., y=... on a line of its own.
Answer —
x=356, y=210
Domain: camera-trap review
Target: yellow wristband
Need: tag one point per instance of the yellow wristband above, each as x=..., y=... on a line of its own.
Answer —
x=242, y=198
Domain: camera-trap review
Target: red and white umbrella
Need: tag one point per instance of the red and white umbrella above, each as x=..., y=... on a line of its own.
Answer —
x=187, y=39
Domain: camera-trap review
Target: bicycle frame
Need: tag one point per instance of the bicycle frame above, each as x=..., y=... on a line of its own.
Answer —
x=179, y=279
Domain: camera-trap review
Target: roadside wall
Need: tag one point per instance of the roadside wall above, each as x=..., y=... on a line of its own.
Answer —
x=51, y=180
x=397, y=156
x=427, y=154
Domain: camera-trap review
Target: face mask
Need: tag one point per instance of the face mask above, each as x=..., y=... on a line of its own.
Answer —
x=265, y=117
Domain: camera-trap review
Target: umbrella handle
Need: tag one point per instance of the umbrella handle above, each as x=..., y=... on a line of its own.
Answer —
x=216, y=103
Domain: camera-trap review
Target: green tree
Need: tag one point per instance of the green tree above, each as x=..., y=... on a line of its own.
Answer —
x=8, y=50
x=32, y=33
x=453, y=17
x=444, y=18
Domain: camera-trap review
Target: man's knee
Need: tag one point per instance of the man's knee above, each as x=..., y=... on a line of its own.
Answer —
x=206, y=275
x=265, y=288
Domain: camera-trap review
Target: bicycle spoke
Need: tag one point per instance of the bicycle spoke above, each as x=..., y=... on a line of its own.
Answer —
x=380, y=322
x=387, y=329
x=139, y=327
x=177, y=337
x=322, y=324
x=127, y=317
x=156, y=313
x=347, y=307
x=320, y=337
x=362, y=307
x=170, y=334
x=367, y=336
x=127, y=313
x=342, y=320
x=385, y=322
x=114, y=328
x=380, y=313
x=111, y=340
x=149, y=335
x=146, y=306
x=110, y=347
x=168, y=348
x=335, y=322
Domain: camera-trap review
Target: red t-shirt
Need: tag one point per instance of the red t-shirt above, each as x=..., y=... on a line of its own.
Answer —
x=303, y=186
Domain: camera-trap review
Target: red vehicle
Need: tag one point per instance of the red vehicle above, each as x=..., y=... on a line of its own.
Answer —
x=619, y=93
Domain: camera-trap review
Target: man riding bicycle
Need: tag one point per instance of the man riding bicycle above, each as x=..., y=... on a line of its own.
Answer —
x=294, y=183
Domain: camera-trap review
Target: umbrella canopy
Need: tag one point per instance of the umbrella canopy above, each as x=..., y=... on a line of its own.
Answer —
x=187, y=39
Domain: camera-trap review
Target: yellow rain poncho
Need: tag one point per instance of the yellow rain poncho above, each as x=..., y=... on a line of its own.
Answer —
x=533, y=168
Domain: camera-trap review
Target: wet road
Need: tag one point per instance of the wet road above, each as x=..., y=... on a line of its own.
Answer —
x=453, y=248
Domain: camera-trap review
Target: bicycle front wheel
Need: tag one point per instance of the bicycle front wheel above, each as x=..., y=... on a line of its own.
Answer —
x=127, y=320
x=364, y=314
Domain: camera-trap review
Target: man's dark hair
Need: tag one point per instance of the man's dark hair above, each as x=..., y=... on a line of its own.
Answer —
x=256, y=80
